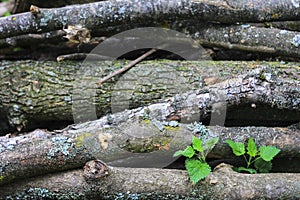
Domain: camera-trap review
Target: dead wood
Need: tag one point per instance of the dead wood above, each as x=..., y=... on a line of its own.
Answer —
x=35, y=94
x=24, y=5
x=125, y=139
x=245, y=37
x=147, y=183
x=108, y=13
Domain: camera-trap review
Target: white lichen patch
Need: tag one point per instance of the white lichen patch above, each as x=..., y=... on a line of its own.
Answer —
x=296, y=40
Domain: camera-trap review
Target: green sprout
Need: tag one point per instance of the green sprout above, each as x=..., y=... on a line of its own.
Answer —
x=260, y=159
x=195, y=163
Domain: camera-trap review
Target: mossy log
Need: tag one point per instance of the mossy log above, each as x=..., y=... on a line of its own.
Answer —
x=40, y=94
x=108, y=13
x=149, y=183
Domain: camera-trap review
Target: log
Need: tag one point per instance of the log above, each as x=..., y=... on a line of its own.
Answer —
x=108, y=13
x=147, y=183
x=24, y=5
x=245, y=37
x=36, y=94
x=41, y=152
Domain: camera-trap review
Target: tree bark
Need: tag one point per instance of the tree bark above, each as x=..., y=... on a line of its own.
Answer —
x=38, y=93
x=24, y=5
x=148, y=183
x=131, y=138
x=246, y=38
x=107, y=13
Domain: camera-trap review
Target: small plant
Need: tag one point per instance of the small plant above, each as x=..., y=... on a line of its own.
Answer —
x=260, y=159
x=195, y=163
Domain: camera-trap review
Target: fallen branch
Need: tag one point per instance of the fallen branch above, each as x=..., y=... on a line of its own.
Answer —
x=37, y=93
x=127, y=67
x=148, y=183
x=124, y=140
x=245, y=38
x=108, y=13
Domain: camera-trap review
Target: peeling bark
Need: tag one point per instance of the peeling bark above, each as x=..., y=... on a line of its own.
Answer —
x=148, y=183
x=109, y=13
x=35, y=93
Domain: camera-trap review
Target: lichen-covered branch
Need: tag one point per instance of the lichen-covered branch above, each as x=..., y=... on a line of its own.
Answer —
x=245, y=38
x=146, y=183
x=126, y=139
x=35, y=93
x=107, y=13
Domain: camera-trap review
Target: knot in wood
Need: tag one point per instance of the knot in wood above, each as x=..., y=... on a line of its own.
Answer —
x=95, y=169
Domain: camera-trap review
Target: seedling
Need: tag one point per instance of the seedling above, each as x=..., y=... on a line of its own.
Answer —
x=260, y=159
x=195, y=163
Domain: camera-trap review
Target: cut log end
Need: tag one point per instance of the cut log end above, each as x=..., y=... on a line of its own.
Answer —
x=95, y=169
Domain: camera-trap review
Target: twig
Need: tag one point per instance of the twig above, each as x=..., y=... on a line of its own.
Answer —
x=128, y=66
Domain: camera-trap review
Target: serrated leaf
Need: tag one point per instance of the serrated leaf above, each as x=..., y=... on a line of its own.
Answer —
x=238, y=148
x=197, y=170
x=263, y=166
x=211, y=143
x=188, y=152
x=268, y=152
x=197, y=144
x=251, y=148
x=249, y=170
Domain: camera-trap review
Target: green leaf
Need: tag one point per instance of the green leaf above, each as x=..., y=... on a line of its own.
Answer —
x=7, y=14
x=251, y=148
x=211, y=143
x=263, y=166
x=197, y=170
x=188, y=152
x=268, y=152
x=249, y=170
x=238, y=148
x=197, y=144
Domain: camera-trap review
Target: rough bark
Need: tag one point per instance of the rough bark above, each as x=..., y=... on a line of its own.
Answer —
x=107, y=13
x=145, y=183
x=38, y=93
x=246, y=38
x=125, y=139
x=24, y=5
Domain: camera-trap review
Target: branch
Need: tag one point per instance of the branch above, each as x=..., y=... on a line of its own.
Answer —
x=148, y=183
x=244, y=38
x=114, y=137
x=41, y=93
x=107, y=13
x=127, y=67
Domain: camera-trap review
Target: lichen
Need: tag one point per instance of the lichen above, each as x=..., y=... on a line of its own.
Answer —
x=80, y=139
x=296, y=40
x=61, y=144
x=43, y=193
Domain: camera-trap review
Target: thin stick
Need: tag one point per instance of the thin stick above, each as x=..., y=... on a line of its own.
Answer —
x=128, y=66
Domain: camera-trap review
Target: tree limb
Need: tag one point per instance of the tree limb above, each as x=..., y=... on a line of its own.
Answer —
x=43, y=92
x=148, y=183
x=107, y=13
